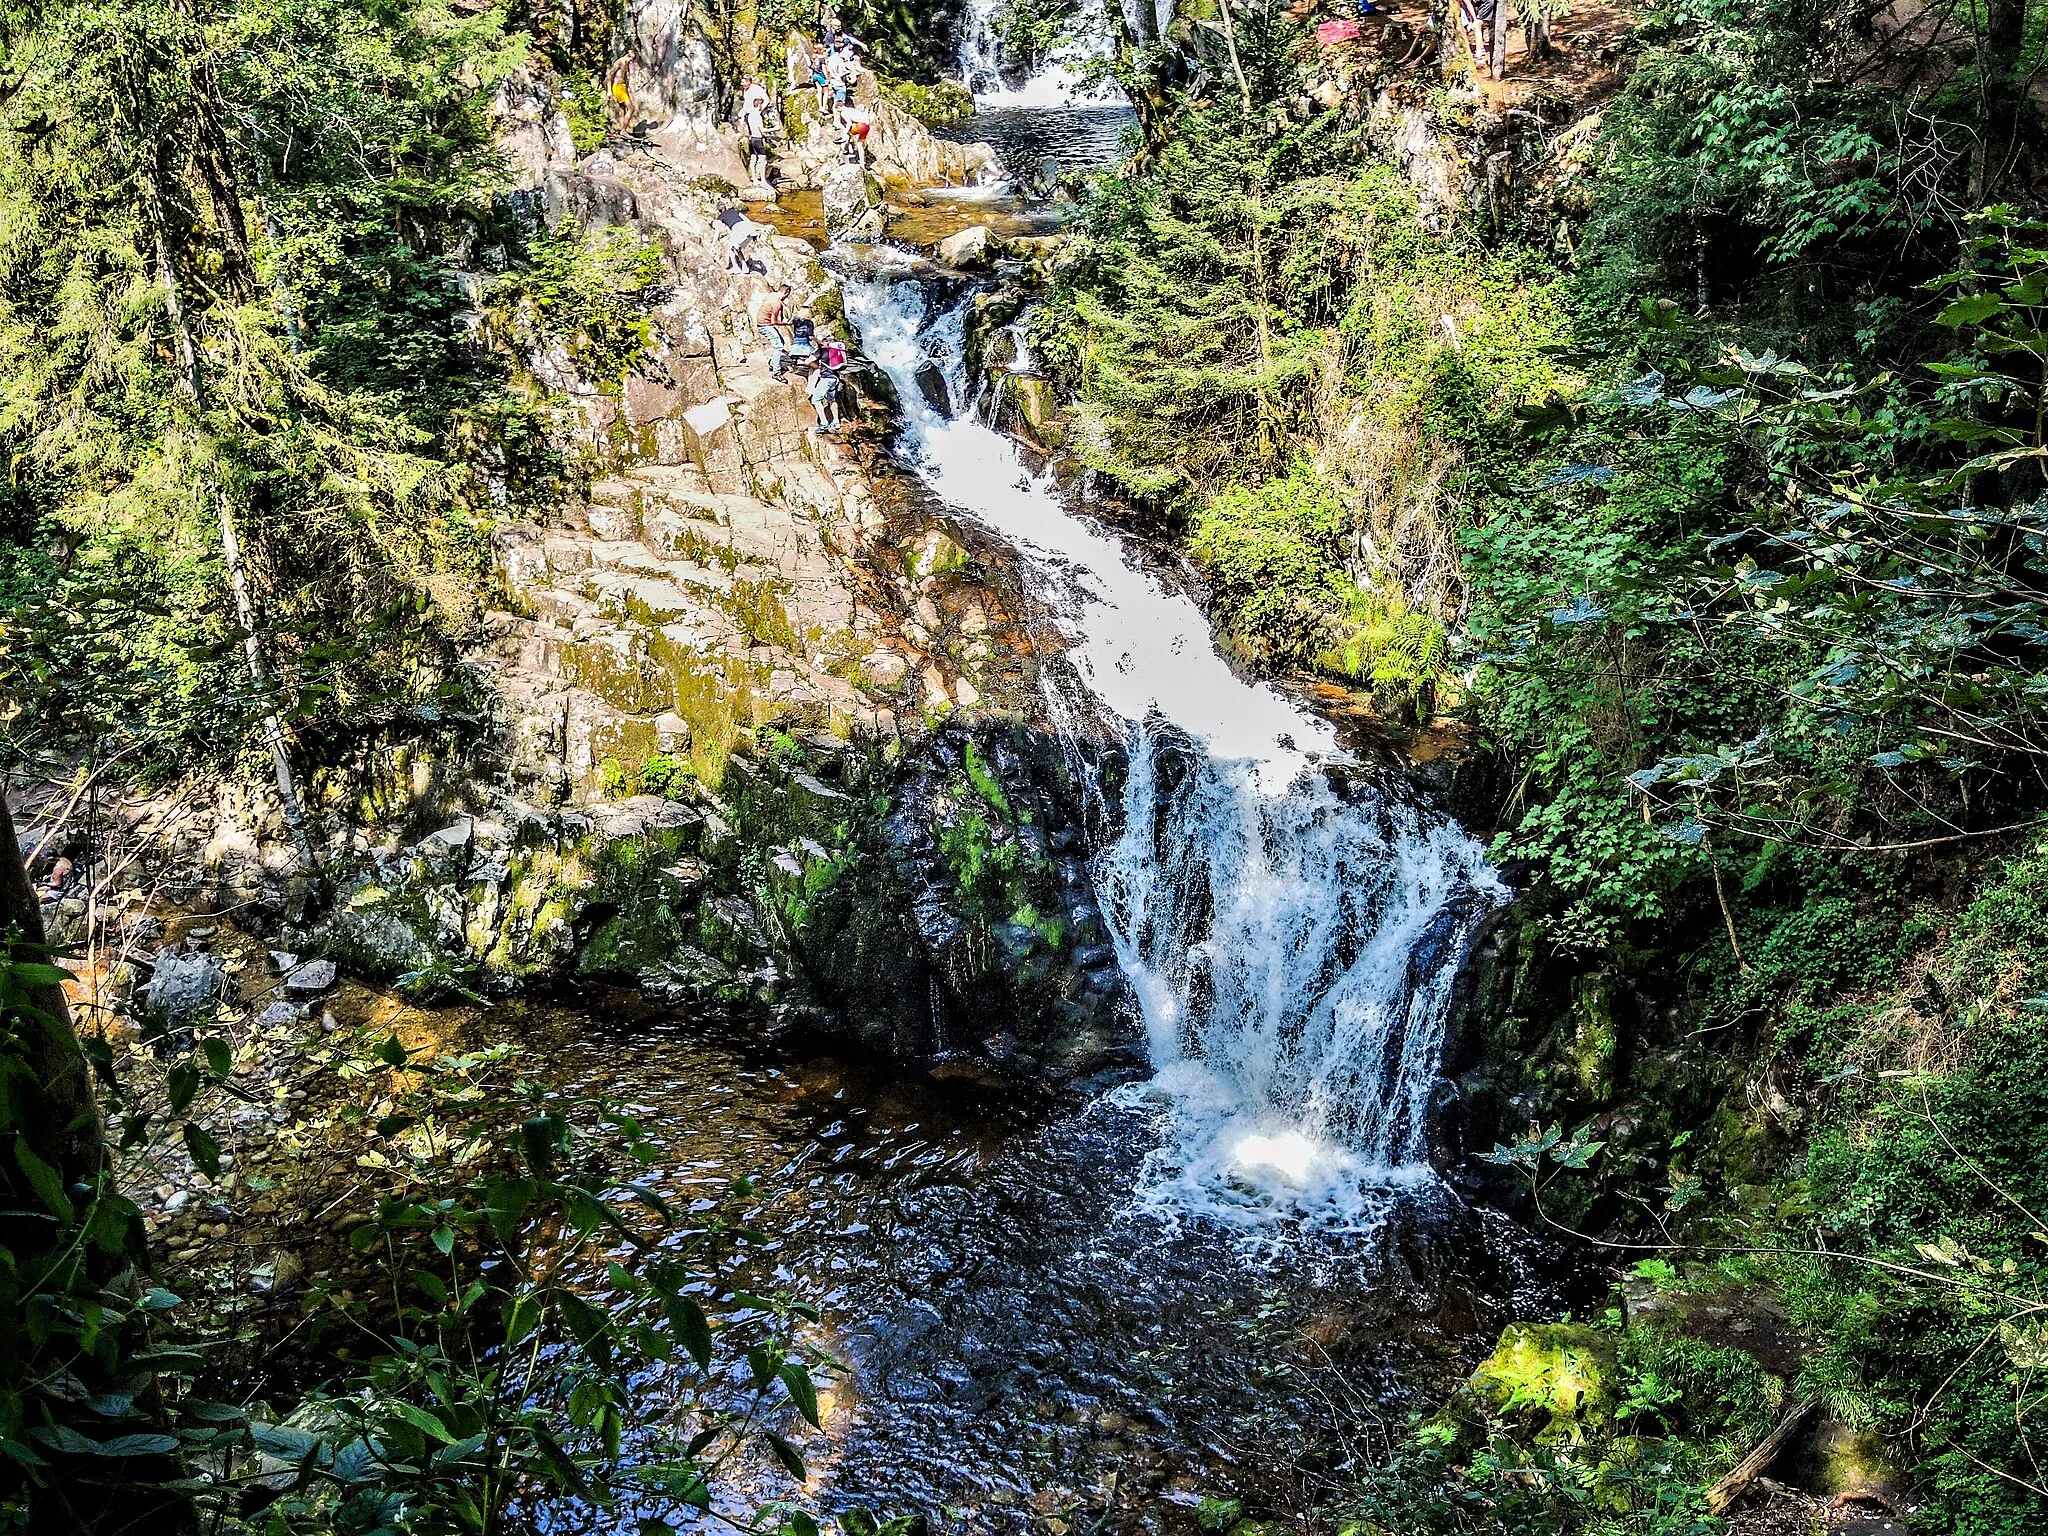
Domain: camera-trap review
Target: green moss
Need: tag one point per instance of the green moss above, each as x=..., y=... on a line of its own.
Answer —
x=935, y=105
x=1558, y=1375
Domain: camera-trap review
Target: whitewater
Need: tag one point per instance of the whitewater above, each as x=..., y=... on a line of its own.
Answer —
x=1291, y=936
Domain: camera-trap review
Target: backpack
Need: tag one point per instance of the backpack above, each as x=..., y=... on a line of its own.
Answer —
x=835, y=354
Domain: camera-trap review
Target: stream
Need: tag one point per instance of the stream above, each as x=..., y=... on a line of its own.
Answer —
x=1224, y=1280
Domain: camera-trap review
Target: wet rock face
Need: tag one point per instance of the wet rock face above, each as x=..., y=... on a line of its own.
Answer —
x=939, y=909
x=930, y=898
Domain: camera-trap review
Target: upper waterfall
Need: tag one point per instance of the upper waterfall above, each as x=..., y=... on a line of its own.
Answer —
x=1054, y=83
x=1292, y=944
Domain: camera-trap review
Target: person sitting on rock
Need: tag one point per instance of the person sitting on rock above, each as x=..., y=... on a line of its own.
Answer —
x=803, y=338
x=855, y=124
x=824, y=393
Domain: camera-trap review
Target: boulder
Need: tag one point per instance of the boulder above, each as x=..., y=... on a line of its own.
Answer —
x=1558, y=1374
x=184, y=986
x=311, y=979
x=851, y=206
x=969, y=248
x=931, y=383
x=1039, y=408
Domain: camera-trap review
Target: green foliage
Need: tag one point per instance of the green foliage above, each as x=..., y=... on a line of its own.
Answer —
x=589, y=291
x=236, y=277
x=486, y=1381
x=1748, y=139
x=584, y=106
x=1032, y=31
x=666, y=776
x=1274, y=555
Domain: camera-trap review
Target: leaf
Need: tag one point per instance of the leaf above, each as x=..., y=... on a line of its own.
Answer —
x=1644, y=391
x=588, y=1325
x=689, y=1321
x=220, y=1056
x=43, y=1179
x=137, y=1445
x=1577, y=1154
x=33, y=973
x=204, y=1149
x=1576, y=474
x=786, y=1454
x=1971, y=309
x=796, y=1376
x=292, y=1445
x=422, y=1421
x=522, y=1317
x=181, y=1086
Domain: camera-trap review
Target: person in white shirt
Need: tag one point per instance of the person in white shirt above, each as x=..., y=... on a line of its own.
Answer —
x=855, y=124
x=753, y=121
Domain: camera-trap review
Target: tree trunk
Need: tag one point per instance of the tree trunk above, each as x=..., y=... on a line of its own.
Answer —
x=58, y=1125
x=1230, y=42
x=1498, y=65
x=1998, y=96
x=259, y=674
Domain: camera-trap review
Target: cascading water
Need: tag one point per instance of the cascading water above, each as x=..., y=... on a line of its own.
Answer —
x=1291, y=942
x=1055, y=83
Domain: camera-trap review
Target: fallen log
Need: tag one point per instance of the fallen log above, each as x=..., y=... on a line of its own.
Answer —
x=1745, y=1471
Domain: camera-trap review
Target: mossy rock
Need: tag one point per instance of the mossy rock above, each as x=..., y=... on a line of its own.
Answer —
x=1561, y=1373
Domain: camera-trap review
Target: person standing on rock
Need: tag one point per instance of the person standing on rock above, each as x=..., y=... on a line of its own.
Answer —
x=618, y=94
x=754, y=129
x=841, y=70
x=824, y=393
x=767, y=309
x=821, y=79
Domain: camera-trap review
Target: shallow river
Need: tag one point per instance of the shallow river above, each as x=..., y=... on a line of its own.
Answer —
x=1024, y=1338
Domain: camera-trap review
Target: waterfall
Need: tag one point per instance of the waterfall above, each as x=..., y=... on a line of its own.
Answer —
x=1291, y=935
x=1055, y=82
